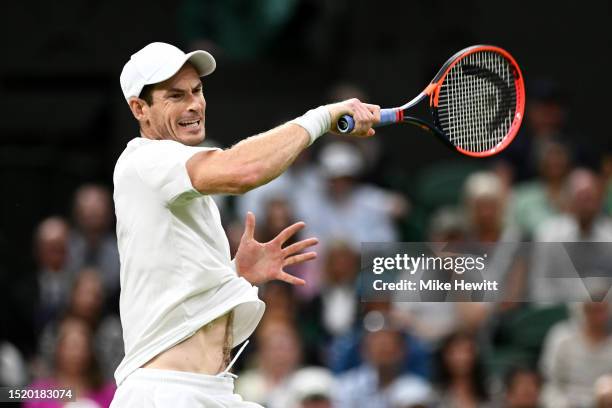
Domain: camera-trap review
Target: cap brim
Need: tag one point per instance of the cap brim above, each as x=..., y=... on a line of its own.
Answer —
x=203, y=62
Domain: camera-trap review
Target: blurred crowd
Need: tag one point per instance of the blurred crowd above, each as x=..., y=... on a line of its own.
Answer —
x=320, y=346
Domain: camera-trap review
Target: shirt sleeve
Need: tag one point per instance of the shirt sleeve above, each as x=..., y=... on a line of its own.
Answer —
x=162, y=167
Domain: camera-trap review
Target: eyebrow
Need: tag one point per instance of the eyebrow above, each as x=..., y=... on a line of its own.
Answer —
x=199, y=85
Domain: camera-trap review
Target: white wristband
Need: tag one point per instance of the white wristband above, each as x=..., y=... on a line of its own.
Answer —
x=316, y=122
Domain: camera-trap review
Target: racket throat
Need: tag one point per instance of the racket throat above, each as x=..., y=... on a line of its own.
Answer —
x=399, y=115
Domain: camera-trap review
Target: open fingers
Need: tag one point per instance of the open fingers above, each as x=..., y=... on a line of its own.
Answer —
x=299, y=246
x=288, y=232
x=297, y=259
x=294, y=280
x=249, y=226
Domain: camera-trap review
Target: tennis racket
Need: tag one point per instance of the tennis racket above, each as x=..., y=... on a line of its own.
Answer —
x=476, y=101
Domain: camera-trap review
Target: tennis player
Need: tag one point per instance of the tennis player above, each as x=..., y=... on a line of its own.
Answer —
x=184, y=303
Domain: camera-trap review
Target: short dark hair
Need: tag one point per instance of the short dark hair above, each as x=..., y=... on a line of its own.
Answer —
x=147, y=94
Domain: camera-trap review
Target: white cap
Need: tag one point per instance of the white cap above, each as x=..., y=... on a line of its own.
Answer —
x=341, y=159
x=310, y=382
x=157, y=62
x=409, y=390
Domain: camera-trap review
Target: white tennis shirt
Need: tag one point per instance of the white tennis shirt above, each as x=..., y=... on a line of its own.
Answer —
x=176, y=271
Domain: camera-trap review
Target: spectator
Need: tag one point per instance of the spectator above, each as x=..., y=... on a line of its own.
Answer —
x=522, y=388
x=546, y=120
x=584, y=222
x=348, y=209
x=93, y=241
x=345, y=352
x=334, y=311
x=378, y=380
x=75, y=368
x=281, y=303
x=86, y=303
x=538, y=200
x=434, y=320
x=54, y=275
x=278, y=356
x=575, y=354
x=484, y=201
x=460, y=374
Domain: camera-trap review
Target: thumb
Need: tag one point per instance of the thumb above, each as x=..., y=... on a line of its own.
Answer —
x=249, y=226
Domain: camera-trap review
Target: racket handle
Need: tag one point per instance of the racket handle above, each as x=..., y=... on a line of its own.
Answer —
x=346, y=123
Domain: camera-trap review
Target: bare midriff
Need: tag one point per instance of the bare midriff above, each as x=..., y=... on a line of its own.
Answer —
x=206, y=352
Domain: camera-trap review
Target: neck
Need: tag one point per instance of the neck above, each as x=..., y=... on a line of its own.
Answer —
x=585, y=225
x=488, y=235
x=595, y=334
x=72, y=380
x=386, y=375
x=93, y=238
x=554, y=186
x=147, y=134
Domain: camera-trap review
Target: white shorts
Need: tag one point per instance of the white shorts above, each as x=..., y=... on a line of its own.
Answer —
x=154, y=388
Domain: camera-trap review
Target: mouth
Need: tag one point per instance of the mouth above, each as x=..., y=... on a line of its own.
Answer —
x=190, y=124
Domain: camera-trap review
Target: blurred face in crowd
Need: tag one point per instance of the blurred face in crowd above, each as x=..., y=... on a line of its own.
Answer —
x=523, y=391
x=73, y=353
x=597, y=315
x=546, y=117
x=585, y=196
x=484, y=200
x=385, y=349
x=93, y=210
x=51, y=244
x=340, y=187
x=460, y=356
x=554, y=163
x=279, y=299
x=278, y=216
x=279, y=348
x=87, y=296
x=486, y=213
x=177, y=109
x=342, y=264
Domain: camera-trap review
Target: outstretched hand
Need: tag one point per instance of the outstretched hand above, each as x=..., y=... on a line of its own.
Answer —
x=260, y=262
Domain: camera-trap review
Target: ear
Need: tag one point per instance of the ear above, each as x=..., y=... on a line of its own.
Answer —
x=139, y=108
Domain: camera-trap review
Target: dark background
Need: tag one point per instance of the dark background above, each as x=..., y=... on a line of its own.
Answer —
x=64, y=120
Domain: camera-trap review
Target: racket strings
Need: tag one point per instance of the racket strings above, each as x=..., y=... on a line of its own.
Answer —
x=477, y=101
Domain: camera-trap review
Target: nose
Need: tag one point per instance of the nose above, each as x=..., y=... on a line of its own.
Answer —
x=197, y=103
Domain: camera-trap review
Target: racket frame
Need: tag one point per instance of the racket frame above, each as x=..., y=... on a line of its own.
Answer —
x=432, y=91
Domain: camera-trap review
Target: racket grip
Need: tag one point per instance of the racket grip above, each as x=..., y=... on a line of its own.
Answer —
x=346, y=123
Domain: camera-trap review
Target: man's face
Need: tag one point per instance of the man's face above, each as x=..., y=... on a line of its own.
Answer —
x=177, y=111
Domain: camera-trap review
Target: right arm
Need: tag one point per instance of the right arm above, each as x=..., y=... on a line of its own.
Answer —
x=259, y=159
